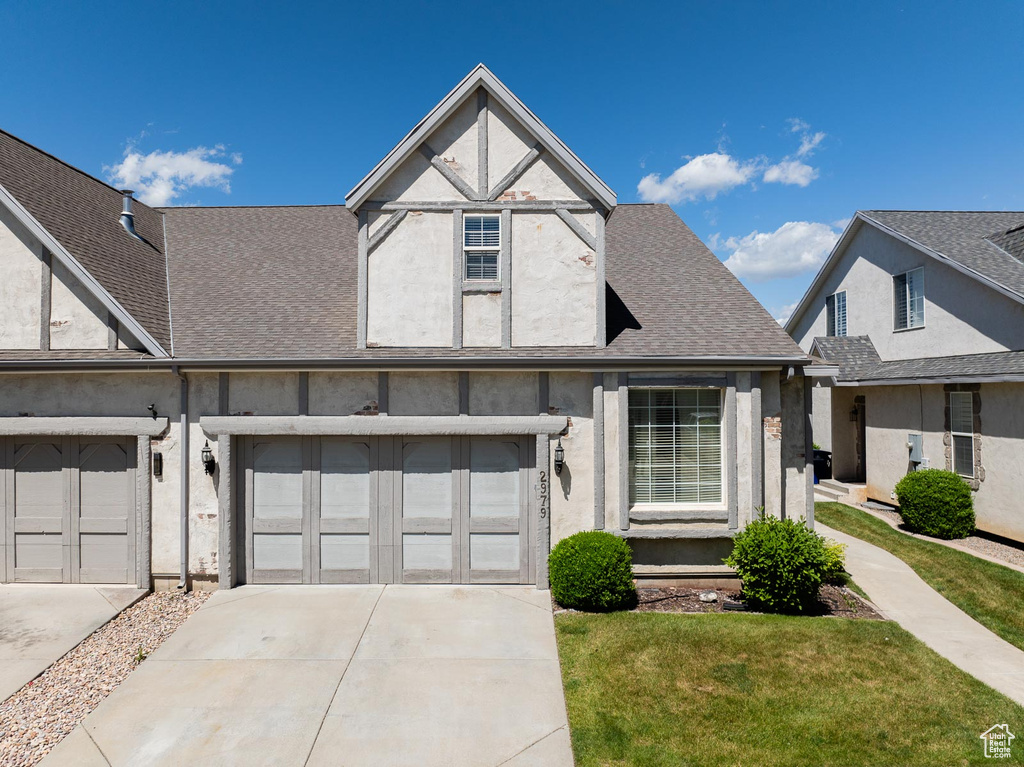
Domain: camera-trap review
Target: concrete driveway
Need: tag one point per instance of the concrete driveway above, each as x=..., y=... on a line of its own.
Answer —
x=342, y=675
x=40, y=623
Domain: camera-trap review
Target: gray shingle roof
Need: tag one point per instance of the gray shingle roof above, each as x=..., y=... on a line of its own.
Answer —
x=82, y=212
x=855, y=355
x=964, y=366
x=280, y=282
x=961, y=237
x=858, y=361
x=1012, y=241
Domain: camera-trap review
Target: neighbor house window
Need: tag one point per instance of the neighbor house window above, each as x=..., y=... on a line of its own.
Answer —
x=835, y=308
x=481, y=239
x=908, y=300
x=961, y=426
x=675, y=446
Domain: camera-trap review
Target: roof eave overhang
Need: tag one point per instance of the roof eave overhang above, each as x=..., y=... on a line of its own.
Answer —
x=604, y=363
x=81, y=273
x=480, y=76
x=937, y=380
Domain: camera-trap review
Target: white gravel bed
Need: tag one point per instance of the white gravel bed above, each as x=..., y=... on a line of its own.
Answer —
x=1011, y=554
x=37, y=717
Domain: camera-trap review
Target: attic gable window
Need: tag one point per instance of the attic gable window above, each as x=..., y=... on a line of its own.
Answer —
x=835, y=310
x=908, y=300
x=481, y=241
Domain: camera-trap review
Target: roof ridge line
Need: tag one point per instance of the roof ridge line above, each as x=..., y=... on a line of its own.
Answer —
x=68, y=165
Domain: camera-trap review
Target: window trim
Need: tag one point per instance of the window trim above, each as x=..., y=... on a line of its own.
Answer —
x=953, y=434
x=723, y=503
x=832, y=315
x=467, y=249
x=895, y=328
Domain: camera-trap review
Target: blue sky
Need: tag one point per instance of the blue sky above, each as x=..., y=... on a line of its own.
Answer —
x=765, y=125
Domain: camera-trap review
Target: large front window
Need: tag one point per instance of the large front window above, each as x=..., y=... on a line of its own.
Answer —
x=675, y=446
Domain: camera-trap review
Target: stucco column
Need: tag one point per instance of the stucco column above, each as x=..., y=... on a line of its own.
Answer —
x=771, y=432
x=227, y=551
x=543, y=509
x=144, y=511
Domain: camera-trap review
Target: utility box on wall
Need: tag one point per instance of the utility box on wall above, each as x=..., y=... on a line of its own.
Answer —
x=915, y=442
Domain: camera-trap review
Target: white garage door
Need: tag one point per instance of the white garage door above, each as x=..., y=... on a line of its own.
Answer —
x=387, y=510
x=68, y=506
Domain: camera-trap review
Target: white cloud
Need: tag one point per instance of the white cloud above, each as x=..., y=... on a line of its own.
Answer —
x=794, y=248
x=704, y=176
x=782, y=315
x=708, y=175
x=809, y=142
x=160, y=177
x=791, y=172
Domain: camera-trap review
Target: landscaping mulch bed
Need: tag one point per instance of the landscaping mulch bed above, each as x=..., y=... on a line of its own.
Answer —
x=43, y=712
x=835, y=601
x=1014, y=555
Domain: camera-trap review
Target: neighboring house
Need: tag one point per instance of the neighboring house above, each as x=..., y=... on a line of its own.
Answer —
x=923, y=312
x=477, y=355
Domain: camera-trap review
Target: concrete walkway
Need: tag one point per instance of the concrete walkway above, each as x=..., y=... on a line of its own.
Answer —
x=40, y=623
x=903, y=597
x=332, y=675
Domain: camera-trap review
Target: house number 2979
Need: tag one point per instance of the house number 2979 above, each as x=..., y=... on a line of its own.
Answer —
x=543, y=488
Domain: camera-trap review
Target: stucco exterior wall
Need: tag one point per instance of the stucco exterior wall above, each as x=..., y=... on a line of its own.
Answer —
x=20, y=285
x=555, y=279
x=572, y=491
x=481, y=319
x=342, y=393
x=423, y=393
x=821, y=416
x=894, y=412
x=962, y=316
x=78, y=320
x=844, y=433
x=409, y=283
x=503, y=393
x=263, y=394
x=794, y=454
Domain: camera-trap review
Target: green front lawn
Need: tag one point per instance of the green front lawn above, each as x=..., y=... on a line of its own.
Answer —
x=759, y=690
x=989, y=593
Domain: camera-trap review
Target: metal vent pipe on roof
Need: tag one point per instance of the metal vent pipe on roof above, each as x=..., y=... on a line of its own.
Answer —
x=127, y=215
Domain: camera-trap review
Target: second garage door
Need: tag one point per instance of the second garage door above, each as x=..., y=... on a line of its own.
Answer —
x=388, y=510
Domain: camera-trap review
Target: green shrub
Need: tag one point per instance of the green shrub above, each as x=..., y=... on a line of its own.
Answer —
x=592, y=571
x=936, y=503
x=781, y=564
x=835, y=561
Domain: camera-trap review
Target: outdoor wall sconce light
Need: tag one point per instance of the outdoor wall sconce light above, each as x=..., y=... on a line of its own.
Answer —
x=158, y=465
x=853, y=414
x=559, y=457
x=209, y=464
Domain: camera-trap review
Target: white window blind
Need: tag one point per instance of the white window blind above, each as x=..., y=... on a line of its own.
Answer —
x=675, y=446
x=835, y=306
x=908, y=300
x=961, y=423
x=482, y=246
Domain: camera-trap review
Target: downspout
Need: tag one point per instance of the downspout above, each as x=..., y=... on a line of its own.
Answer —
x=183, y=440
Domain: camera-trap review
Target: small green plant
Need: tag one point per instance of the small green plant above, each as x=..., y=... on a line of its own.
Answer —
x=815, y=445
x=593, y=571
x=781, y=564
x=835, y=561
x=141, y=655
x=936, y=503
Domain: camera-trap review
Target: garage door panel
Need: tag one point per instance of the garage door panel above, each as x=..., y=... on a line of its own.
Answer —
x=274, y=513
x=344, y=526
x=428, y=511
x=41, y=547
x=496, y=535
x=343, y=535
x=104, y=525
x=344, y=479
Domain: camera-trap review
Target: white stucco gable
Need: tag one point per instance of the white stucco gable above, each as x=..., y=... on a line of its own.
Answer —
x=453, y=126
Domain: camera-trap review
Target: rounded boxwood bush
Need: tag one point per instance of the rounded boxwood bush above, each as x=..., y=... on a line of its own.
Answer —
x=781, y=564
x=592, y=571
x=936, y=503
